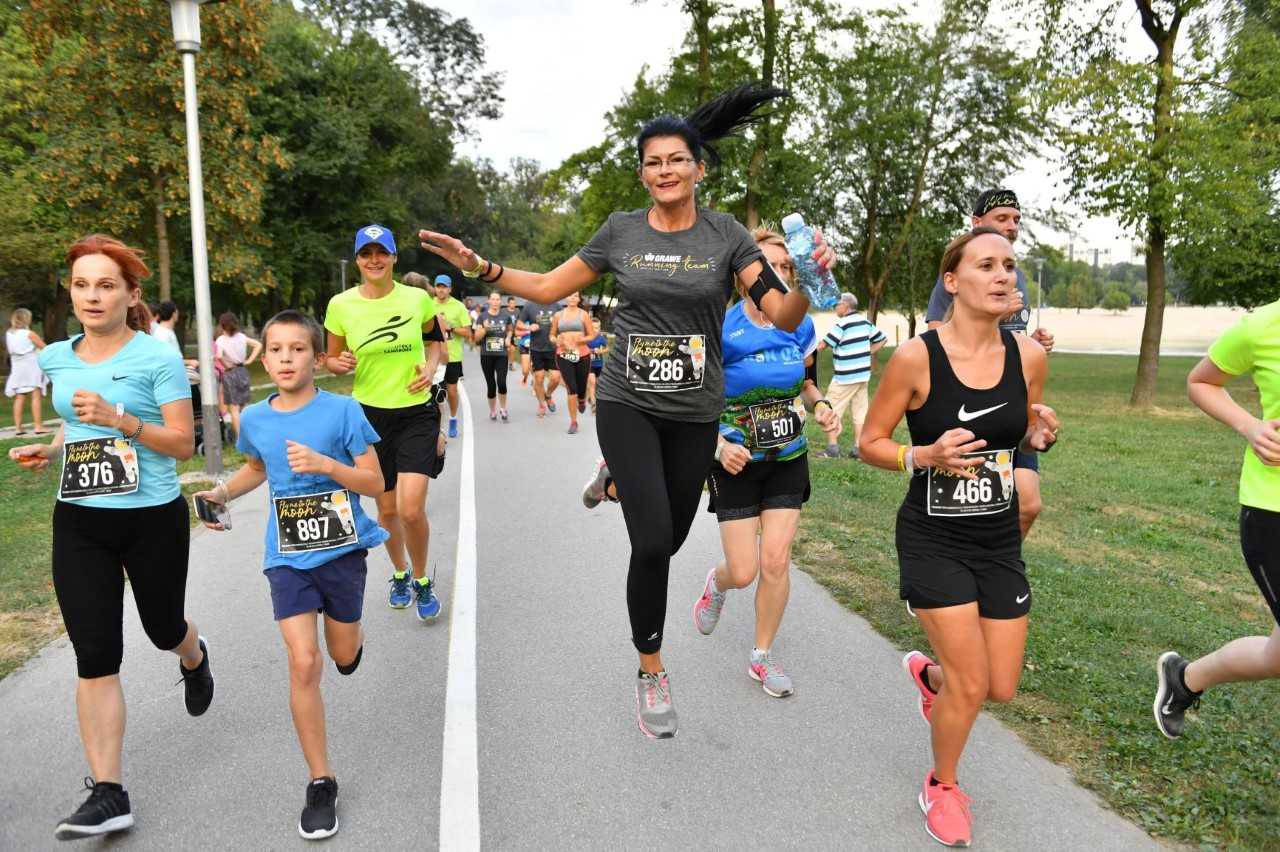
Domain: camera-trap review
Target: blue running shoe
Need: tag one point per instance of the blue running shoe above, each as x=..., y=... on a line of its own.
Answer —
x=453, y=427
x=400, y=594
x=428, y=603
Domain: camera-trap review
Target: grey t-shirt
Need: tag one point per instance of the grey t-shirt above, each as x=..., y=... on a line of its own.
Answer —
x=495, y=328
x=940, y=301
x=672, y=289
x=540, y=340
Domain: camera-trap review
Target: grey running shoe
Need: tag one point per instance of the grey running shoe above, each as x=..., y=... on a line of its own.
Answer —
x=655, y=714
x=593, y=493
x=1173, y=700
x=770, y=675
x=706, y=612
x=832, y=451
x=854, y=453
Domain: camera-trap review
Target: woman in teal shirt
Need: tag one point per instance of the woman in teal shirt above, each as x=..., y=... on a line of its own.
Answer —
x=126, y=409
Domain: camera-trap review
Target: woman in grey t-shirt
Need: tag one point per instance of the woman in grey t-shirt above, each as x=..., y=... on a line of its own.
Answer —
x=675, y=266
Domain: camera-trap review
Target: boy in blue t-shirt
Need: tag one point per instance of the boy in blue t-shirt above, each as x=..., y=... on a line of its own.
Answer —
x=315, y=449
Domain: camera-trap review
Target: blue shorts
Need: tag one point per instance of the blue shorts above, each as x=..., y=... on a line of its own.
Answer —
x=335, y=588
x=1026, y=461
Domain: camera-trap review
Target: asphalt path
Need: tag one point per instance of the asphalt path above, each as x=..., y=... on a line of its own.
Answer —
x=520, y=698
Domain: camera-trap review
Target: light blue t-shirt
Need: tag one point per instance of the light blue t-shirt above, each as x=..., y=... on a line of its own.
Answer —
x=330, y=424
x=144, y=375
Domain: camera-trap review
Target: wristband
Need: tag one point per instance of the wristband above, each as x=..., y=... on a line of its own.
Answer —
x=719, y=449
x=910, y=460
x=902, y=458
x=474, y=272
x=768, y=280
x=119, y=416
x=821, y=402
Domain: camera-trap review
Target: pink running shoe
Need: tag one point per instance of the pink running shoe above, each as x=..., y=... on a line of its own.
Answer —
x=914, y=663
x=946, y=813
x=706, y=609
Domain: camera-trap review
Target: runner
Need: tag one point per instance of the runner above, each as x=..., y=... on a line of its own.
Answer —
x=971, y=395
x=315, y=450
x=1252, y=346
x=675, y=265
x=571, y=328
x=374, y=330
x=512, y=310
x=126, y=412
x=599, y=345
x=998, y=208
x=535, y=321
x=761, y=475
x=458, y=319
x=492, y=333
x=25, y=378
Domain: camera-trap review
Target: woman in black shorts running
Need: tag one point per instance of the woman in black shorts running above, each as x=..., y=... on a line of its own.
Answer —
x=126, y=409
x=660, y=396
x=571, y=328
x=492, y=332
x=971, y=395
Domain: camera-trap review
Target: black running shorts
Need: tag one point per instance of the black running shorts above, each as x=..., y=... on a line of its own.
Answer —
x=407, y=442
x=758, y=487
x=1260, y=543
x=543, y=360
x=997, y=584
x=453, y=372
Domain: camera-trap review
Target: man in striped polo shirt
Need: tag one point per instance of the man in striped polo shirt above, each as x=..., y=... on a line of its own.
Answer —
x=854, y=341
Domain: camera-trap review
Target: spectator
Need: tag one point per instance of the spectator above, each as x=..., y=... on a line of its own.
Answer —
x=235, y=351
x=853, y=341
x=25, y=376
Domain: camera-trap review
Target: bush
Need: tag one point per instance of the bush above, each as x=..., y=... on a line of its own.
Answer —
x=1116, y=299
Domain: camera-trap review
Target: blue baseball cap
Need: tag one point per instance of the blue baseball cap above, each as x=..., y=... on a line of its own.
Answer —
x=445, y=280
x=375, y=234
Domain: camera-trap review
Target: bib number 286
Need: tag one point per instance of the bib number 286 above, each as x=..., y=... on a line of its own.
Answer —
x=666, y=363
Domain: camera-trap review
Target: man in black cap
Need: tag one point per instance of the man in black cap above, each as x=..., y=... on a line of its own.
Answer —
x=998, y=208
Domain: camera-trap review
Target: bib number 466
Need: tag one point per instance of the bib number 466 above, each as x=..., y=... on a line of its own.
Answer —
x=972, y=491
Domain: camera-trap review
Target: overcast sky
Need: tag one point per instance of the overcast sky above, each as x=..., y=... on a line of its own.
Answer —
x=567, y=62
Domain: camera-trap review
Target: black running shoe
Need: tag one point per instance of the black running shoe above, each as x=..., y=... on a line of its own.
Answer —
x=106, y=810
x=198, y=683
x=320, y=817
x=1172, y=698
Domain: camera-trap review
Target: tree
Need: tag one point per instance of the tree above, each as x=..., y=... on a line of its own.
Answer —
x=1116, y=298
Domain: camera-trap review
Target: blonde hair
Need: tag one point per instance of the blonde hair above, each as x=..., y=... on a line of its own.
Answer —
x=20, y=318
x=764, y=235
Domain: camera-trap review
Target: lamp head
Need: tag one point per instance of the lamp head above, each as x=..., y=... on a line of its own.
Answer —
x=186, y=23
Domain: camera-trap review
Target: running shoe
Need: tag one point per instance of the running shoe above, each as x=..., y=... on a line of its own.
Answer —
x=542, y=410
x=832, y=451
x=106, y=810
x=582, y=406
x=197, y=683
x=1173, y=699
x=915, y=663
x=320, y=816
x=770, y=674
x=594, y=493
x=655, y=713
x=493, y=415
x=854, y=452
x=551, y=405
x=946, y=813
x=706, y=610
x=453, y=427
x=425, y=596
x=502, y=412
x=573, y=428
x=401, y=596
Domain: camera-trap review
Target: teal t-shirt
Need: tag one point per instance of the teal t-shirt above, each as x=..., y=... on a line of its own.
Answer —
x=144, y=375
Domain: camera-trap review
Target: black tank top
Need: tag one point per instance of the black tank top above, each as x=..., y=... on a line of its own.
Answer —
x=951, y=515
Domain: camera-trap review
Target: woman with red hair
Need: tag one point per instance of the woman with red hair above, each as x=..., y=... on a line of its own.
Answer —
x=126, y=409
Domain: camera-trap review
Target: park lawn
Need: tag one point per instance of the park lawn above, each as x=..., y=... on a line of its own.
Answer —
x=29, y=616
x=1136, y=552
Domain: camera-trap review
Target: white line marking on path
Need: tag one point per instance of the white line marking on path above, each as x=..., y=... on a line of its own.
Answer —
x=460, y=770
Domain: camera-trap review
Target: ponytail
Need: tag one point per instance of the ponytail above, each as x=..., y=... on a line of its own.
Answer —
x=722, y=116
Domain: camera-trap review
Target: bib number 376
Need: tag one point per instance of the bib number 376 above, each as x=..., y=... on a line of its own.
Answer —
x=98, y=467
x=666, y=363
x=320, y=521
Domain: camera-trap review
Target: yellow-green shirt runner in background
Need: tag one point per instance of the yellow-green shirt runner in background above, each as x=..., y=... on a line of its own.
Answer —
x=1252, y=345
x=385, y=335
x=456, y=316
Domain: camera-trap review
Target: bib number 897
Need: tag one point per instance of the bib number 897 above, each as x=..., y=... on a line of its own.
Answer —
x=666, y=370
x=96, y=473
x=312, y=529
x=972, y=491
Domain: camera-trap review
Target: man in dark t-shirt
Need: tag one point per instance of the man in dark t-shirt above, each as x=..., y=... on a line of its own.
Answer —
x=535, y=320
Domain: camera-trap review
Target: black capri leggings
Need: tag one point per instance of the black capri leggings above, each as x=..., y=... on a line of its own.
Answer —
x=90, y=547
x=1260, y=544
x=574, y=374
x=494, y=370
x=659, y=466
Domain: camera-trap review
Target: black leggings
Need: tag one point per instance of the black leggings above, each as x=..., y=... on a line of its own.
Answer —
x=90, y=546
x=574, y=374
x=659, y=467
x=494, y=370
x=1260, y=544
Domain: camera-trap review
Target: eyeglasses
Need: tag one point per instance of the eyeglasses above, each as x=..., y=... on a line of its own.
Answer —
x=679, y=161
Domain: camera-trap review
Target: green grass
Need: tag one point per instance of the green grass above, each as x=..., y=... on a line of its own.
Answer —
x=28, y=611
x=1136, y=552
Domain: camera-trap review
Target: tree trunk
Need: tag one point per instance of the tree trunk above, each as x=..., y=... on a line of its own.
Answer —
x=761, y=151
x=701, y=10
x=870, y=224
x=162, y=243
x=55, y=317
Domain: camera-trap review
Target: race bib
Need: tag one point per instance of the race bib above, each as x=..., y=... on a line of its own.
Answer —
x=495, y=345
x=774, y=424
x=666, y=363
x=990, y=493
x=98, y=467
x=571, y=356
x=320, y=521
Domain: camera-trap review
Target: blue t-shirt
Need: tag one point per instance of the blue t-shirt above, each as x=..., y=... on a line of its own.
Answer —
x=762, y=365
x=329, y=424
x=597, y=358
x=144, y=375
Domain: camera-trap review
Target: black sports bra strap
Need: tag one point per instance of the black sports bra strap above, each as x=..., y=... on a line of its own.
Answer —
x=1012, y=358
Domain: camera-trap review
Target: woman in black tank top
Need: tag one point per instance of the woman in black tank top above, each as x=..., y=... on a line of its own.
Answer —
x=971, y=396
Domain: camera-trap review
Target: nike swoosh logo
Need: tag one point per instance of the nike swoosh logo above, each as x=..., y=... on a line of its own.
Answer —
x=118, y=378
x=1022, y=599
x=966, y=416
x=1166, y=710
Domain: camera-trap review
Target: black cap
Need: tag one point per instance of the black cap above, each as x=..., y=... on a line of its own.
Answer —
x=992, y=198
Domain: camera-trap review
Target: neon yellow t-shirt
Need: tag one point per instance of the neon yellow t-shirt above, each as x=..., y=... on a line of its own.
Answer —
x=1252, y=345
x=455, y=314
x=385, y=335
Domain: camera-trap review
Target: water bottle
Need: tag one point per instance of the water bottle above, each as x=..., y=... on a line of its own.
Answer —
x=818, y=283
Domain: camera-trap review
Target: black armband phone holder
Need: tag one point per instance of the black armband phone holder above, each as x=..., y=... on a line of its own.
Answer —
x=767, y=280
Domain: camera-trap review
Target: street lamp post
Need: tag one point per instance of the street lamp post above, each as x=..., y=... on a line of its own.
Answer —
x=1039, y=287
x=343, y=262
x=186, y=36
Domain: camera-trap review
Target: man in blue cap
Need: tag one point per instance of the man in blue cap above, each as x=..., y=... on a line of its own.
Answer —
x=458, y=322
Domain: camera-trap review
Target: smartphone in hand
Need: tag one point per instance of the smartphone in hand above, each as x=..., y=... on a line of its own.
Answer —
x=212, y=513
